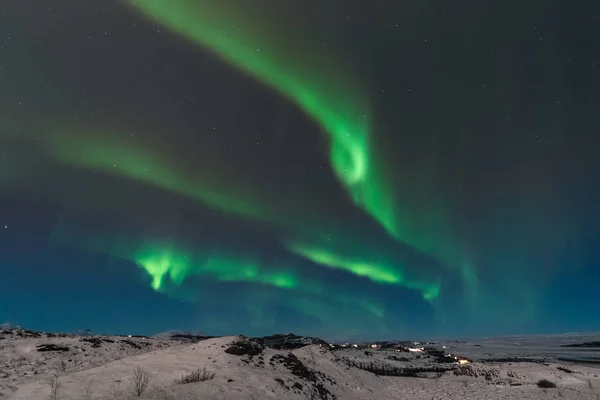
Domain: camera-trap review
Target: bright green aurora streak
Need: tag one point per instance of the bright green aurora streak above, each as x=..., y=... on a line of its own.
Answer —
x=162, y=262
x=323, y=92
x=378, y=272
x=167, y=263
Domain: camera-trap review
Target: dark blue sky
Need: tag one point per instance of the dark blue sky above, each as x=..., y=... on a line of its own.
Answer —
x=149, y=181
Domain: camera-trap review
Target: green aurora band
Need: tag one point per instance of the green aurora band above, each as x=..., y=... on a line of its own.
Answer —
x=171, y=264
x=110, y=151
x=376, y=272
x=322, y=92
x=319, y=86
x=308, y=77
x=321, y=89
x=162, y=262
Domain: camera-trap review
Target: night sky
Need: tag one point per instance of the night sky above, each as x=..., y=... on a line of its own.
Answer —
x=348, y=169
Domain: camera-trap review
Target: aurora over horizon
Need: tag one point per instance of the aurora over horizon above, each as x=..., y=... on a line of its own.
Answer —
x=337, y=169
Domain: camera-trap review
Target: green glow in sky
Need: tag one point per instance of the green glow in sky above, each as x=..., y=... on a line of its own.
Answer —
x=373, y=272
x=115, y=152
x=169, y=264
x=309, y=77
x=162, y=262
x=377, y=272
x=318, y=84
x=273, y=147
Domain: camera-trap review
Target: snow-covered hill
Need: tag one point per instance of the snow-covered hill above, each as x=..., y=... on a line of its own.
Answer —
x=276, y=367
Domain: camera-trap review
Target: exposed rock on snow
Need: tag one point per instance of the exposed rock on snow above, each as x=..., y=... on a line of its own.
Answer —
x=279, y=367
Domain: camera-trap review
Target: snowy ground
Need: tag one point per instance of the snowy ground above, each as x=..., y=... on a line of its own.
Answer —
x=96, y=367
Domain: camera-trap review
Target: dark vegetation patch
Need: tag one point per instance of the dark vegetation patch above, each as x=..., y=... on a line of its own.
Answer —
x=514, y=360
x=281, y=382
x=390, y=345
x=245, y=348
x=439, y=356
x=9, y=329
x=185, y=337
x=295, y=366
x=585, y=344
x=28, y=334
x=578, y=361
x=288, y=341
x=546, y=384
x=391, y=370
x=467, y=370
x=325, y=377
x=567, y=370
x=401, y=349
x=95, y=342
x=396, y=358
x=199, y=375
x=132, y=343
x=321, y=392
x=260, y=362
x=51, y=347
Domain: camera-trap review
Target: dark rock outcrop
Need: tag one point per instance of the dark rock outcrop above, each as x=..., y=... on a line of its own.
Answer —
x=183, y=336
x=245, y=347
x=468, y=370
x=295, y=366
x=585, y=344
x=51, y=347
x=95, y=342
x=288, y=341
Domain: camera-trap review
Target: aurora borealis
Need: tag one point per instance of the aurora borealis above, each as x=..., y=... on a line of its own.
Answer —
x=341, y=169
